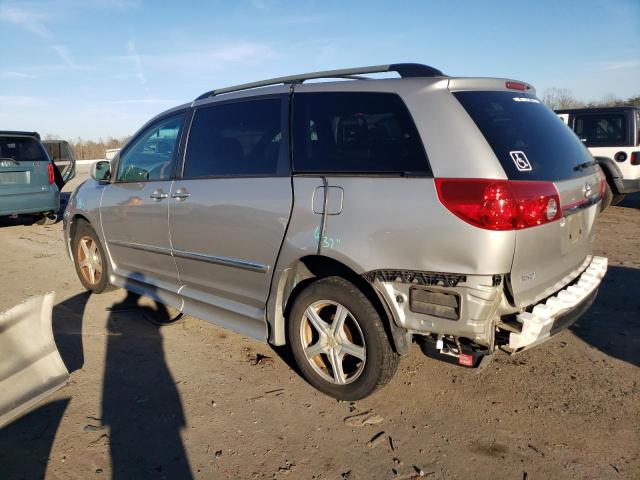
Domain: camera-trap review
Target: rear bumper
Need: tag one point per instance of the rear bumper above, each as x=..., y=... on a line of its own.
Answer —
x=560, y=310
x=630, y=186
x=30, y=202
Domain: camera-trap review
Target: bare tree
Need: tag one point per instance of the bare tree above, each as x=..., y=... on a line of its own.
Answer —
x=559, y=98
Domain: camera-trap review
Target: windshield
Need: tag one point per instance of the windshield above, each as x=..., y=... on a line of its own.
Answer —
x=529, y=139
x=21, y=149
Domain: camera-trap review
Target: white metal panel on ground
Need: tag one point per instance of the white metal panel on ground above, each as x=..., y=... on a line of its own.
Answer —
x=30, y=365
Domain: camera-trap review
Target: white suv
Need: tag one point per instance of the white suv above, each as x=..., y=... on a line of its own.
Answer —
x=612, y=135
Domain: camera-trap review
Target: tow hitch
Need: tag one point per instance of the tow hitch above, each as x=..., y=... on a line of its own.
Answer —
x=459, y=351
x=30, y=365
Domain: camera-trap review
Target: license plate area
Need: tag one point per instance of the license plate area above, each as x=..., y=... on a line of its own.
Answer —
x=15, y=178
x=575, y=229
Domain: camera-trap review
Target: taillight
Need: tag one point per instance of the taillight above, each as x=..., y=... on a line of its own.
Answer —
x=52, y=179
x=635, y=158
x=500, y=204
x=603, y=181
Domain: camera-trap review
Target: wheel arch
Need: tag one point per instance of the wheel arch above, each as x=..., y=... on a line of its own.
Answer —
x=306, y=270
x=611, y=172
x=73, y=225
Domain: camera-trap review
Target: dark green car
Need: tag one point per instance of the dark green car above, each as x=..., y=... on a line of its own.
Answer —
x=27, y=177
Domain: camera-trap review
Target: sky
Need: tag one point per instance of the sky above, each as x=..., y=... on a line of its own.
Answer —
x=99, y=68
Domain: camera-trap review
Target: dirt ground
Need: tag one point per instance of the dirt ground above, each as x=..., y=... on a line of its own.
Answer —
x=192, y=399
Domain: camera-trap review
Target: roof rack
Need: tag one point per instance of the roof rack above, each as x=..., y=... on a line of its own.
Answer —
x=405, y=70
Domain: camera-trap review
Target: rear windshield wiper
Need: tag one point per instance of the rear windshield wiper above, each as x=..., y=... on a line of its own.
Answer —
x=588, y=164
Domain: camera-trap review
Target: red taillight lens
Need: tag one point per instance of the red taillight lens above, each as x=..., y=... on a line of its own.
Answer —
x=52, y=178
x=500, y=204
x=635, y=158
x=516, y=86
x=603, y=181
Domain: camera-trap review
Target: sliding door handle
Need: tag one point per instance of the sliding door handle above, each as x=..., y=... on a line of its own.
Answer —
x=158, y=195
x=180, y=194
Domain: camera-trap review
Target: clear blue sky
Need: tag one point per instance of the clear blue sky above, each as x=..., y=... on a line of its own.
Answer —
x=98, y=68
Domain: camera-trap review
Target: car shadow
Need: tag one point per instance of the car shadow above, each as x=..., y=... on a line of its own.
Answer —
x=25, y=444
x=141, y=405
x=612, y=324
x=67, y=329
x=631, y=200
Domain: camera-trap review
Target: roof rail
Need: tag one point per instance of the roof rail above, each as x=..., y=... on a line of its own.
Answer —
x=405, y=70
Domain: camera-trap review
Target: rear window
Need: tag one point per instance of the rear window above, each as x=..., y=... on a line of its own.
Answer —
x=21, y=149
x=603, y=130
x=58, y=151
x=530, y=140
x=355, y=133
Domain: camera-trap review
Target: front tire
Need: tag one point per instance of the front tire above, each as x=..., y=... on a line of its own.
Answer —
x=89, y=259
x=339, y=341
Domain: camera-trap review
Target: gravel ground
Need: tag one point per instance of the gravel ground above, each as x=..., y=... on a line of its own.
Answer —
x=192, y=399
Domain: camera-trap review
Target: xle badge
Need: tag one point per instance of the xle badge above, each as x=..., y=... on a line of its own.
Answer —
x=521, y=161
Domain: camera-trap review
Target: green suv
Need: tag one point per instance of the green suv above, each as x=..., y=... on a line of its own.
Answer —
x=27, y=177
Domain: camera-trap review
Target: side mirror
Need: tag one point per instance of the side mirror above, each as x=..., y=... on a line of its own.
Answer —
x=101, y=171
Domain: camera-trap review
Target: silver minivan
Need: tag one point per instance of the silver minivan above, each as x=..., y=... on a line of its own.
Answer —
x=352, y=218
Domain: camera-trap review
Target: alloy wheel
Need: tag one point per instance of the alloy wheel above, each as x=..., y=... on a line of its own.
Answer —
x=333, y=342
x=89, y=260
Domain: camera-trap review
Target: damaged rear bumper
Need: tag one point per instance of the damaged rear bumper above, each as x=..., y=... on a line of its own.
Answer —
x=560, y=310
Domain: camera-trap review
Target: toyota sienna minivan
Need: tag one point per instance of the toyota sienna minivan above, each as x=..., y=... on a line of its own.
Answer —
x=353, y=217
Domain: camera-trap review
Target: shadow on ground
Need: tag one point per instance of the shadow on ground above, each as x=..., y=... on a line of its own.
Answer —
x=26, y=443
x=140, y=402
x=141, y=406
x=631, y=201
x=612, y=324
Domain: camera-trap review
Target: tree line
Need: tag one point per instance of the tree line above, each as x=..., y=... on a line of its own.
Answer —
x=91, y=149
x=560, y=98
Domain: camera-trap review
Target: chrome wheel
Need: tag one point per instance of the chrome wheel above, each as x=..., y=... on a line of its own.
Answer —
x=332, y=342
x=89, y=260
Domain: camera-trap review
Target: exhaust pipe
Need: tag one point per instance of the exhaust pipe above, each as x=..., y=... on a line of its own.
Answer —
x=30, y=365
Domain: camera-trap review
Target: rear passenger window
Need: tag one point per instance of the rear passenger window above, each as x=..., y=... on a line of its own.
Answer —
x=601, y=129
x=355, y=133
x=236, y=139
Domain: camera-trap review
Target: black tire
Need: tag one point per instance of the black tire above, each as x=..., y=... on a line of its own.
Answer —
x=84, y=233
x=608, y=197
x=362, y=329
x=47, y=219
x=617, y=198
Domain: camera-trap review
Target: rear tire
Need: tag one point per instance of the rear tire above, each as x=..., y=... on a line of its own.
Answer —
x=617, y=198
x=608, y=197
x=47, y=219
x=89, y=259
x=338, y=340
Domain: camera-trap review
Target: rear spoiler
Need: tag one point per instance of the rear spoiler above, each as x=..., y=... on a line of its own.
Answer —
x=486, y=83
x=19, y=134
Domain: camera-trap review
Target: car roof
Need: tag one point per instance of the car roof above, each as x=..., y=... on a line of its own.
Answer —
x=15, y=133
x=596, y=109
